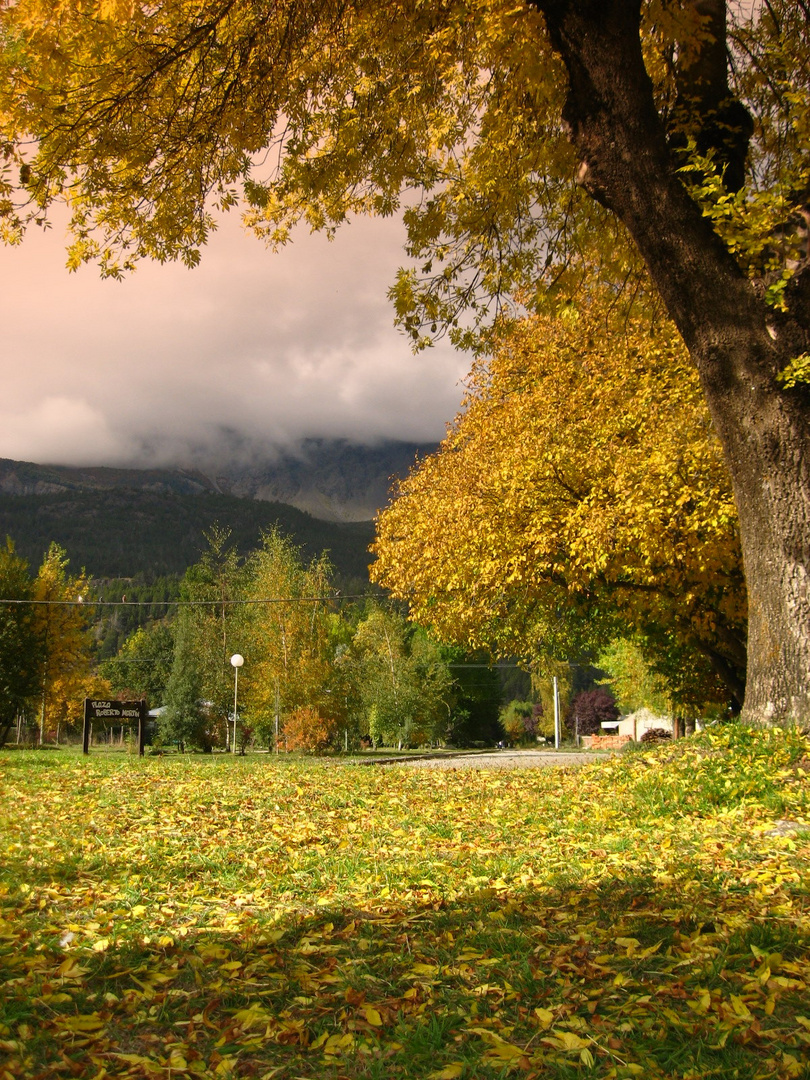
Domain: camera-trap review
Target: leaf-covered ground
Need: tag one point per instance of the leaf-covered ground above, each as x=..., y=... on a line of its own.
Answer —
x=647, y=916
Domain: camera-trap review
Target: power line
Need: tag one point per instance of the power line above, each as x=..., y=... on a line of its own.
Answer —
x=82, y=603
x=489, y=667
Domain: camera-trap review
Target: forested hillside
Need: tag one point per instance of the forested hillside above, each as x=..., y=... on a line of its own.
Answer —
x=332, y=479
x=122, y=532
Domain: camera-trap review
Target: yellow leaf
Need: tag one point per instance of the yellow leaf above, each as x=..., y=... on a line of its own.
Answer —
x=372, y=1016
x=212, y=952
x=545, y=1017
x=486, y=1034
x=739, y=1007
x=504, y=1052
x=449, y=1072
x=252, y=1016
x=69, y=969
x=336, y=1044
x=86, y=1022
x=701, y=1004
x=652, y=949
x=629, y=943
x=137, y=1059
x=586, y=1057
x=566, y=1040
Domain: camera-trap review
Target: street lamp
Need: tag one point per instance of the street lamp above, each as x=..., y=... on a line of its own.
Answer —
x=236, y=662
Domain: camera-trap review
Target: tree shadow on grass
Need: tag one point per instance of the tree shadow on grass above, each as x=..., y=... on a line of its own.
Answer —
x=618, y=978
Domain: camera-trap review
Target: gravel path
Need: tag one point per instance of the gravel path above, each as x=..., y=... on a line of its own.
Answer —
x=498, y=759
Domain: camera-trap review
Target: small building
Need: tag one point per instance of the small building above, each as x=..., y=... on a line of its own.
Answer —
x=636, y=723
x=630, y=728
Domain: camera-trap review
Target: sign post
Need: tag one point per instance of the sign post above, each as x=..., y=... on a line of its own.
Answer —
x=123, y=711
x=88, y=712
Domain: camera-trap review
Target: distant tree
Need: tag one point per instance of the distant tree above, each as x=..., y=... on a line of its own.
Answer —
x=21, y=646
x=544, y=671
x=631, y=679
x=216, y=622
x=403, y=681
x=185, y=719
x=66, y=701
x=153, y=596
x=308, y=730
x=535, y=722
x=289, y=636
x=516, y=719
x=590, y=709
x=476, y=698
x=143, y=665
x=63, y=623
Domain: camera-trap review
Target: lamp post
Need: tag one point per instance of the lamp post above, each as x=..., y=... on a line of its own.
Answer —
x=236, y=662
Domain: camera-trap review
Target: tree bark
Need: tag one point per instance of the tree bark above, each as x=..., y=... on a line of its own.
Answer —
x=737, y=342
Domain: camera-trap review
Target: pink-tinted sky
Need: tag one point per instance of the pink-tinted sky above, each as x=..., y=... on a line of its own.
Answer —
x=177, y=366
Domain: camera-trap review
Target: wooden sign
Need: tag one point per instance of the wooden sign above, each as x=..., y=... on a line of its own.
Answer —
x=121, y=712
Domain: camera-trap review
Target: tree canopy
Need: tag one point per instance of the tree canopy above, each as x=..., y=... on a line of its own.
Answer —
x=21, y=647
x=143, y=664
x=404, y=685
x=63, y=625
x=46, y=644
x=580, y=495
x=148, y=118
x=656, y=150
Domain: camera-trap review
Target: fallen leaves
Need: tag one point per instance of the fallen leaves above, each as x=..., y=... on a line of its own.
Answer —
x=405, y=924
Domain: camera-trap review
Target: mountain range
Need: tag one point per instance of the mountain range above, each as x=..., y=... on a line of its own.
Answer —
x=334, y=480
x=119, y=522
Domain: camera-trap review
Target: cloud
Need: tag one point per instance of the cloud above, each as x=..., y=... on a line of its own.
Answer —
x=250, y=349
x=54, y=423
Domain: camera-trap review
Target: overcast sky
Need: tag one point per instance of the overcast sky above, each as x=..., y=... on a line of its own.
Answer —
x=173, y=366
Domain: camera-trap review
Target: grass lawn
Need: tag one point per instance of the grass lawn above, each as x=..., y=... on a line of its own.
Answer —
x=643, y=916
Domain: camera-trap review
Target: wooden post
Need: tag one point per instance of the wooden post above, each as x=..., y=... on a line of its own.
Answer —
x=141, y=726
x=86, y=728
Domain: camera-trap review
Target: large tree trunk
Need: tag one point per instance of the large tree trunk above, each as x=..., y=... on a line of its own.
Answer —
x=737, y=342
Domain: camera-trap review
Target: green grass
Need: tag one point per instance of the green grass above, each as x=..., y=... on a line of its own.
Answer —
x=263, y=917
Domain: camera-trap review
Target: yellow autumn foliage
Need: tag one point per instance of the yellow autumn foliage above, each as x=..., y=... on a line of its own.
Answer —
x=580, y=493
x=62, y=622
